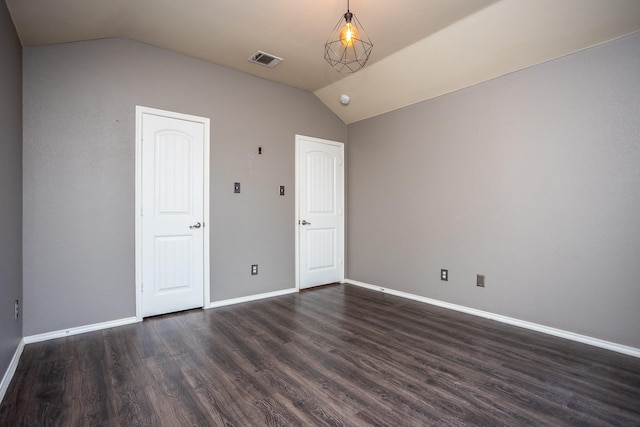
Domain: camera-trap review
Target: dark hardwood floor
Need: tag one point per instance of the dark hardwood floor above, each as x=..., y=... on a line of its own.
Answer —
x=337, y=355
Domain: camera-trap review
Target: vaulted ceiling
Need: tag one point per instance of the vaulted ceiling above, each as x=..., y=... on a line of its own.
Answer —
x=422, y=48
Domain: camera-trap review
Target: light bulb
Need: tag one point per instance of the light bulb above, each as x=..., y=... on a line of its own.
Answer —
x=348, y=34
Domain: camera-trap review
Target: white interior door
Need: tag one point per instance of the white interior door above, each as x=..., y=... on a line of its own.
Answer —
x=172, y=213
x=320, y=200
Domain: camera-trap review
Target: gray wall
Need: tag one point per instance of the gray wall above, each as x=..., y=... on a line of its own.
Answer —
x=79, y=179
x=10, y=187
x=532, y=179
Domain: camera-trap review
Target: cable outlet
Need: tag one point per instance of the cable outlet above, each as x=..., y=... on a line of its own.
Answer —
x=480, y=280
x=444, y=275
x=254, y=269
x=236, y=187
x=282, y=190
x=16, y=309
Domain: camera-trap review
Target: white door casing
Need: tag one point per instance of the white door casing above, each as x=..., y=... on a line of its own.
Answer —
x=172, y=215
x=319, y=212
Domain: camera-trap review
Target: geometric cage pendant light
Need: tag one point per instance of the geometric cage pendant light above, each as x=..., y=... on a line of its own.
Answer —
x=348, y=46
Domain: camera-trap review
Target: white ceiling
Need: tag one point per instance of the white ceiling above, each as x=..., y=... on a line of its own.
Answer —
x=422, y=48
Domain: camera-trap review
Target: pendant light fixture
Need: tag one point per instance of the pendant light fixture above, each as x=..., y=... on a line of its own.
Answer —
x=348, y=46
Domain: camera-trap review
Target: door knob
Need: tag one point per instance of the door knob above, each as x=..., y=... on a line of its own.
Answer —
x=196, y=225
x=304, y=222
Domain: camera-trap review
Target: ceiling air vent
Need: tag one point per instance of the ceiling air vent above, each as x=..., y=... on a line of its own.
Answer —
x=265, y=59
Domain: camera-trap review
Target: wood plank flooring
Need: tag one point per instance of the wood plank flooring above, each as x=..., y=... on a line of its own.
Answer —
x=337, y=355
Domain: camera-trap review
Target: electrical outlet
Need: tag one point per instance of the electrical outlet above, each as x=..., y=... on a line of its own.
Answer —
x=480, y=280
x=16, y=309
x=282, y=190
x=236, y=187
x=444, y=275
x=254, y=269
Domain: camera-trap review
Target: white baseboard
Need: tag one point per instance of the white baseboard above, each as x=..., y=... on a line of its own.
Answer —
x=13, y=365
x=596, y=342
x=79, y=330
x=126, y=321
x=251, y=298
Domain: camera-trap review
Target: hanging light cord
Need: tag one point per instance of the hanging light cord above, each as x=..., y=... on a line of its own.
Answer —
x=348, y=15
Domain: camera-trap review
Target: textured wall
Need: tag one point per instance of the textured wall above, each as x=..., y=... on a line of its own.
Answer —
x=79, y=164
x=532, y=179
x=10, y=187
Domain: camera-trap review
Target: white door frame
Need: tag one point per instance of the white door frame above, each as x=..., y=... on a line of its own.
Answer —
x=140, y=110
x=297, y=205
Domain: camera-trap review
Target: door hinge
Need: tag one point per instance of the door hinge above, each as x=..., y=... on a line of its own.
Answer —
x=141, y=287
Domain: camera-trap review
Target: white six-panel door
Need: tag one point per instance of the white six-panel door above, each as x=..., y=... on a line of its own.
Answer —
x=320, y=199
x=172, y=213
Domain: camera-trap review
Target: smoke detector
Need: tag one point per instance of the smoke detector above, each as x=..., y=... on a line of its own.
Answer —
x=265, y=59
